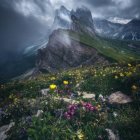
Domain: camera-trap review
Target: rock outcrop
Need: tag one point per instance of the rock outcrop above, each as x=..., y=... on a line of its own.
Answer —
x=4, y=129
x=82, y=21
x=119, y=98
x=63, y=52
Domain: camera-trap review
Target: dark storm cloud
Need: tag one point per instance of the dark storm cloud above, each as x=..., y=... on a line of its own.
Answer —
x=99, y=2
x=120, y=8
x=17, y=31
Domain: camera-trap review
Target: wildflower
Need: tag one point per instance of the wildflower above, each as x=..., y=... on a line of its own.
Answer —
x=134, y=87
x=67, y=115
x=101, y=97
x=65, y=82
x=11, y=96
x=121, y=74
x=80, y=134
x=129, y=65
x=88, y=107
x=128, y=74
x=53, y=78
x=53, y=86
x=98, y=106
x=116, y=77
x=115, y=114
x=16, y=101
x=71, y=111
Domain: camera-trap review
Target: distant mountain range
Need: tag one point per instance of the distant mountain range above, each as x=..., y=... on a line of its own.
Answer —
x=129, y=31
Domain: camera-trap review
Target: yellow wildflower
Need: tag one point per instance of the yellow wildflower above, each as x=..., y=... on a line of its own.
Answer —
x=53, y=78
x=129, y=65
x=128, y=74
x=80, y=135
x=11, y=96
x=134, y=87
x=65, y=82
x=98, y=106
x=116, y=77
x=53, y=86
x=121, y=74
x=16, y=101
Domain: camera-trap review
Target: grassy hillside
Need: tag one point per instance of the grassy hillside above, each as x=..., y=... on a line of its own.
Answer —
x=63, y=112
x=114, y=49
x=86, y=119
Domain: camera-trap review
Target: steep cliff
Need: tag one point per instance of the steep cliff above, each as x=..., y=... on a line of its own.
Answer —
x=63, y=52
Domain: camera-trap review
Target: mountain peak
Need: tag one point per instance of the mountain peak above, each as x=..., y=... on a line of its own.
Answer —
x=83, y=15
x=62, y=18
x=83, y=9
x=62, y=7
x=79, y=20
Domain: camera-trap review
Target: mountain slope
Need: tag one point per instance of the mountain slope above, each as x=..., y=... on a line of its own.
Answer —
x=131, y=31
x=68, y=49
x=63, y=52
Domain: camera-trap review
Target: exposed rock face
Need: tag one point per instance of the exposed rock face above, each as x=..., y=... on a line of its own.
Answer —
x=4, y=129
x=62, y=52
x=62, y=19
x=79, y=20
x=119, y=98
x=111, y=135
x=82, y=21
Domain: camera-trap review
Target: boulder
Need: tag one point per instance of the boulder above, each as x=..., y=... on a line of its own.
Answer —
x=44, y=92
x=67, y=100
x=111, y=135
x=119, y=98
x=4, y=129
x=86, y=95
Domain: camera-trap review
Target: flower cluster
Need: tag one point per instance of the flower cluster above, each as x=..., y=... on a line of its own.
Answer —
x=71, y=111
x=89, y=107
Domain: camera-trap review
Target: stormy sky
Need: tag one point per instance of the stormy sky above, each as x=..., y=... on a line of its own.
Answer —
x=25, y=21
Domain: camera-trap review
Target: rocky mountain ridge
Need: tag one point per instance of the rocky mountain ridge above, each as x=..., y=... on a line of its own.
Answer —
x=62, y=52
x=79, y=20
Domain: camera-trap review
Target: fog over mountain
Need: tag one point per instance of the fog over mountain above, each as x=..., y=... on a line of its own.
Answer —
x=26, y=24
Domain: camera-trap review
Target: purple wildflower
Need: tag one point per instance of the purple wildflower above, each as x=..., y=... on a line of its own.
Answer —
x=71, y=111
x=89, y=107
